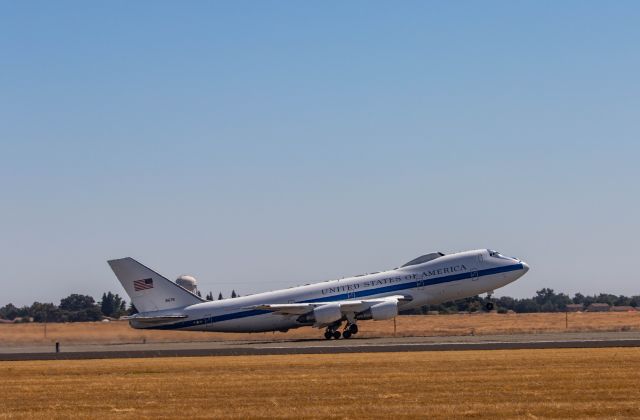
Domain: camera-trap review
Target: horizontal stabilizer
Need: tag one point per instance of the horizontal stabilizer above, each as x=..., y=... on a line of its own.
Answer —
x=160, y=319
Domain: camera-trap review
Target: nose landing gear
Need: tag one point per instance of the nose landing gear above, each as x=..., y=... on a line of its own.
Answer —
x=489, y=305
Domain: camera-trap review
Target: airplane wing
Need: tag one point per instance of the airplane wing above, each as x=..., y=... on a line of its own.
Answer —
x=346, y=306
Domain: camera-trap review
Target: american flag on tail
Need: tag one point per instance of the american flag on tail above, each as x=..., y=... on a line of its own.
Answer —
x=143, y=284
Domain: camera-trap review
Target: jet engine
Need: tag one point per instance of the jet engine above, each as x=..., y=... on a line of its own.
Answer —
x=322, y=315
x=380, y=311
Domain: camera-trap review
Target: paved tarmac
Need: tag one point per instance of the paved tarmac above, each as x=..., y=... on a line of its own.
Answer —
x=308, y=346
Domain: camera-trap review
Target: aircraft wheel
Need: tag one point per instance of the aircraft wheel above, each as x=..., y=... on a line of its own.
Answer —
x=336, y=334
x=353, y=329
x=346, y=334
x=489, y=306
x=328, y=335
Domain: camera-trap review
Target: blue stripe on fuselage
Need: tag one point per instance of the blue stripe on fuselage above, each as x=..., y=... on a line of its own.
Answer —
x=344, y=296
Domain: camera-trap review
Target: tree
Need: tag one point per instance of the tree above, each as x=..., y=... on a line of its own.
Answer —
x=106, y=304
x=606, y=298
x=9, y=311
x=526, y=305
x=623, y=301
x=44, y=312
x=209, y=296
x=132, y=309
x=560, y=302
x=78, y=308
x=233, y=294
x=506, y=302
x=76, y=302
x=220, y=296
x=544, y=295
x=112, y=305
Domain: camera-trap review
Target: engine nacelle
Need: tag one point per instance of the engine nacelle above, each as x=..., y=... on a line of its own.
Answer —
x=380, y=311
x=322, y=315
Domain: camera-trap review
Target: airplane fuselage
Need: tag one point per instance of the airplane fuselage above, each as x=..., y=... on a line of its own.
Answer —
x=445, y=278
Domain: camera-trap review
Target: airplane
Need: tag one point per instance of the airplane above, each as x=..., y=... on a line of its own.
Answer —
x=427, y=280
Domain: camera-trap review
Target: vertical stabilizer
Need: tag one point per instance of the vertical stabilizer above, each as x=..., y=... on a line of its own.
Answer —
x=148, y=290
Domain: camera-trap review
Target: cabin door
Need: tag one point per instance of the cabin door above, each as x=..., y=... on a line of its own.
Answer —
x=474, y=270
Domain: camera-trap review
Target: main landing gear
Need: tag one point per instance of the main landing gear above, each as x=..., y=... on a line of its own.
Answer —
x=350, y=330
x=332, y=331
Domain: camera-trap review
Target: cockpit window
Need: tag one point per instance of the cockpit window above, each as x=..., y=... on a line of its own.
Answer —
x=424, y=258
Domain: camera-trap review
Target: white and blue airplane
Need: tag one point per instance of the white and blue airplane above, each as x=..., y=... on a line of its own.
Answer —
x=430, y=279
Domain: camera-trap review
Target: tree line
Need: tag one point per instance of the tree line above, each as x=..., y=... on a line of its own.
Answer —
x=209, y=296
x=545, y=300
x=76, y=307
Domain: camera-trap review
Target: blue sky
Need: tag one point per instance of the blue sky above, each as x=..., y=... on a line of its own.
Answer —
x=259, y=145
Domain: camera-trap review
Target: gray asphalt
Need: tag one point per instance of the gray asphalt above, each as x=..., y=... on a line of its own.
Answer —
x=353, y=345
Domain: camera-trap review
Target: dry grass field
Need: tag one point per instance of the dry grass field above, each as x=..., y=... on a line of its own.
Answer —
x=581, y=383
x=433, y=325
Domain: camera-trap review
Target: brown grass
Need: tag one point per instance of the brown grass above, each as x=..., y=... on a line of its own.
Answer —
x=595, y=383
x=434, y=325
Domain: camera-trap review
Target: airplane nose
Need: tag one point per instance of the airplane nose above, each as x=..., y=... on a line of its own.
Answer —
x=525, y=267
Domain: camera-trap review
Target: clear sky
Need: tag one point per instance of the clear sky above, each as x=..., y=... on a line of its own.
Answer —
x=259, y=145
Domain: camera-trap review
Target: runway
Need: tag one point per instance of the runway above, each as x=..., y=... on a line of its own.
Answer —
x=353, y=345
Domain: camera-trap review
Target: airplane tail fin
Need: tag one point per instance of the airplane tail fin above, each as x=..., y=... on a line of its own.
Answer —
x=148, y=290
